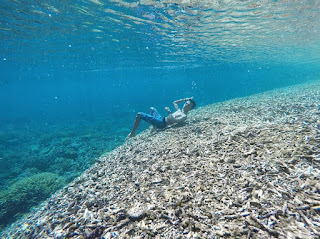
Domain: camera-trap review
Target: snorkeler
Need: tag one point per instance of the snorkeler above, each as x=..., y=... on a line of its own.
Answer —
x=155, y=119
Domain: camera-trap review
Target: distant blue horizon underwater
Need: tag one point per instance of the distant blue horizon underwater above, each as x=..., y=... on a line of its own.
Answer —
x=74, y=75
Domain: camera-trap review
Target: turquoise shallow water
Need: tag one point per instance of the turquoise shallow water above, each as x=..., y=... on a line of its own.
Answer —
x=73, y=76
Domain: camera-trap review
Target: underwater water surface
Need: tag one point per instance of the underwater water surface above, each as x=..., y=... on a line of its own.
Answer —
x=74, y=75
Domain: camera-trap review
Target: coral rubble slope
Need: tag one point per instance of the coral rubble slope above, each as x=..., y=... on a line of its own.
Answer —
x=247, y=167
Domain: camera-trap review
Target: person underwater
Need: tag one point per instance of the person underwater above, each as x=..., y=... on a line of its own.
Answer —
x=159, y=122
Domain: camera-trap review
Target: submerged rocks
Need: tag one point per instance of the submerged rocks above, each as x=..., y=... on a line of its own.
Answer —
x=136, y=213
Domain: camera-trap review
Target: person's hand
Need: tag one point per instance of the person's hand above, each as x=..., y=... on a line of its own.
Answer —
x=167, y=109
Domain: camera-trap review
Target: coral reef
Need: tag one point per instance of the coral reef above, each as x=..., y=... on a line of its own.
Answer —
x=245, y=168
x=62, y=151
x=26, y=193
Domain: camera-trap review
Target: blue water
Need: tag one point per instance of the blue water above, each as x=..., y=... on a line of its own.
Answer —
x=74, y=75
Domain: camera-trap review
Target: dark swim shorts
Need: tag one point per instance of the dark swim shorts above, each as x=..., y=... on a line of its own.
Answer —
x=154, y=118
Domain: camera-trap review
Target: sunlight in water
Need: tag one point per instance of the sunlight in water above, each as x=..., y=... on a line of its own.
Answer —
x=213, y=31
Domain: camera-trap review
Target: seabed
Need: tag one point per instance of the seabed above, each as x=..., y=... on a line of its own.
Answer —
x=244, y=168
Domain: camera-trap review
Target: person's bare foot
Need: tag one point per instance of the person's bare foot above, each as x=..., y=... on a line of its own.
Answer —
x=130, y=135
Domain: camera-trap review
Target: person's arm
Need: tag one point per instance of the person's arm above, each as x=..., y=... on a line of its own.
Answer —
x=176, y=102
x=168, y=110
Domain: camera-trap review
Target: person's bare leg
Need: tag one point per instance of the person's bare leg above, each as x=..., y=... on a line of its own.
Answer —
x=135, y=126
